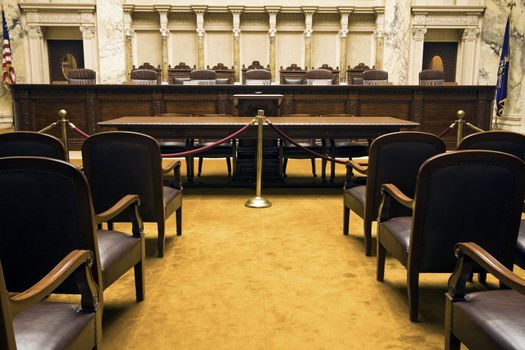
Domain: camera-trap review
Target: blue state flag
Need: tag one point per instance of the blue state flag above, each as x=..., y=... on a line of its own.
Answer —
x=503, y=72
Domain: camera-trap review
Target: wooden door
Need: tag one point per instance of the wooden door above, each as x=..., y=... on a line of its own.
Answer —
x=64, y=55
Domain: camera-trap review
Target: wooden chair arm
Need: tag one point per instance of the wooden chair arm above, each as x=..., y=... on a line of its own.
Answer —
x=118, y=208
x=70, y=264
x=399, y=196
x=171, y=164
x=359, y=167
x=469, y=253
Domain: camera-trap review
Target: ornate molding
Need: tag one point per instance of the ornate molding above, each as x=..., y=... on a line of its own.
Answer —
x=88, y=32
x=419, y=33
x=35, y=32
x=470, y=34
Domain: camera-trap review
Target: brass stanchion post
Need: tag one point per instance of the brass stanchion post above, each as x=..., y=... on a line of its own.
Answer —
x=460, y=122
x=258, y=201
x=63, y=126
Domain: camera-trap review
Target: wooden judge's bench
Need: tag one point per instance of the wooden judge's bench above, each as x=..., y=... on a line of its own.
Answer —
x=433, y=107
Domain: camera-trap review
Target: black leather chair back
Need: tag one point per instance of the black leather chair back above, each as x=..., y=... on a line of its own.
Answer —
x=395, y=158
x=29, y=143
x=467, y=196
x=46, y=212
x=118, y=163
x=501, y=141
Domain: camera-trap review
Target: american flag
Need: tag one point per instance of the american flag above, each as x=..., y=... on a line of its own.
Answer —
x=8, y=72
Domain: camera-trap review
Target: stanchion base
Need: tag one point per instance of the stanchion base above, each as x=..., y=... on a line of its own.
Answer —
x=258, y=202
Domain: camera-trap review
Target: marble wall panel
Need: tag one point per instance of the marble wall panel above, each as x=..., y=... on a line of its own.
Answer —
x=290, y=49
x=149, y=47
x=254, y=47
x=110, y=28
x=397, y=40
x=325, y=49
x=219, y=48
x=358, y=49
x=184, y=48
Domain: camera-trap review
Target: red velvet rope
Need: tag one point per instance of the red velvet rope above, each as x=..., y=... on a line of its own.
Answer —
x=83, y=134
x=445, y=131
x=318, y=155
x=210, y=146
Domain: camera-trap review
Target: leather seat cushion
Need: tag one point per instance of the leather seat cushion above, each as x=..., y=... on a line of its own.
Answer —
x=118, y=253
x=395, y=237
x=491, y=320
x=50, y=326
x=520, y=248
x=355, y=198
x=172, y=199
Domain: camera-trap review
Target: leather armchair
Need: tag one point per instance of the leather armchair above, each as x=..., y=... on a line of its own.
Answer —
x=319, y=77
x=144, y=77
x=287, y=151
x=27, y=323
x=139, y=171
x=258, y=77
x=393, y=158
x=488, y=319
x=456, y=200
x=29, y=143
x=375, y=77
x=507, y=142
x=47, y=212
x=203, y=77
x=431, y=77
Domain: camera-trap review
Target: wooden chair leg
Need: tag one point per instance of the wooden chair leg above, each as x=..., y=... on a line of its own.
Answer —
x=482, y=277
x=380, y=269
x=332, y=171
x=451, y=342
x=346, y=219
x=200, y=166
x=413, y=294
x=285, y=163
x=178, y=214
x=110, y=226
x=189, y=168
x=367, y=229
x=161, y=239
x=229, y=165
x=139, y=281
x=323, y=170
x=314, y=173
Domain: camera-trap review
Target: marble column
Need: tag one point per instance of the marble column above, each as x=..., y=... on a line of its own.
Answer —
x=272, y=32
x=110, y=32
x=379, y=36
x=36, y=52
x=199, y=12
x=308, y=19
x=89, y=44
x=469, y=54
x=164, y=32
x=129, y=34
x=397, y=40
x=236, y=12
x=343, y=37
x=416, y=56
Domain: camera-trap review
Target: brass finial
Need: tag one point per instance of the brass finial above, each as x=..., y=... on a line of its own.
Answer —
x=62, y=114
x=461, y=114
x=260, y=112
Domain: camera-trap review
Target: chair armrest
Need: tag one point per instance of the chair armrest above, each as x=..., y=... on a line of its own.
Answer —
x=359, y=167
x=72, y=263
x=177, y=178
x=118, y=208
x=470, y=253
x=169, y=166
x=399, y=196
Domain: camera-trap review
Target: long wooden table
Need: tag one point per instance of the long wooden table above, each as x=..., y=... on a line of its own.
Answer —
x=433, y=107
x=295, y=127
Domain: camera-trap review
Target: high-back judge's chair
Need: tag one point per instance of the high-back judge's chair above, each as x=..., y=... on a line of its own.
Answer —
x=258, y=77
x=456, y=200
x=144, y=77
x=431, y=77
x=28, y=323
x=119, y=162
x=393, y=158
x=82, y=76
x=46, y=212
x=375, y=77
x=319, y=77
x=30, y=143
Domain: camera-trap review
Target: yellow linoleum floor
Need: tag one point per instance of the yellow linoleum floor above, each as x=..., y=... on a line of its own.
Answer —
x=278, y=278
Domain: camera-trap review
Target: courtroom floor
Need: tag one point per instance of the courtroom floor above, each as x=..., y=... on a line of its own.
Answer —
x=278, y=278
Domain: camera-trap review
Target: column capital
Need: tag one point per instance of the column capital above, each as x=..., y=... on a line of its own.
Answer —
x=345, y=10
x=162, y=8
x=236, y=10
x=470, y=33
x=199, y=9
x=128, y=8
x=419, y=33
x=309, y=10
x=130, y=33
x=343, y=33
x=273, y=10
x=35, y=32
x=88, y=32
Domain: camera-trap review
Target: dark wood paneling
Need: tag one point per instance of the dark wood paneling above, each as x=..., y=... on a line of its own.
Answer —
x=434, y=108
